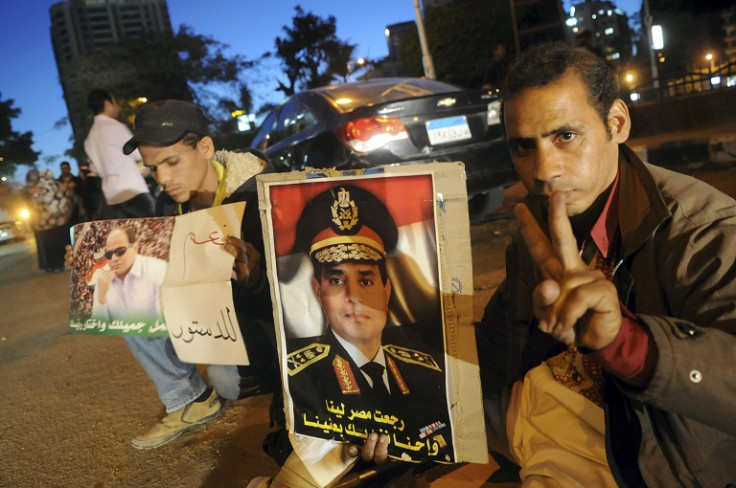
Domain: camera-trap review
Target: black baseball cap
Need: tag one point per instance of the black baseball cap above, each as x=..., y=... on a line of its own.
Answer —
x=165, y=122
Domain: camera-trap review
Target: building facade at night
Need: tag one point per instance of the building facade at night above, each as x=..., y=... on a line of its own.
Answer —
x=607, y=26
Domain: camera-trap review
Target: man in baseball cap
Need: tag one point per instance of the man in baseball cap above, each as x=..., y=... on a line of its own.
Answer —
x=174, y=140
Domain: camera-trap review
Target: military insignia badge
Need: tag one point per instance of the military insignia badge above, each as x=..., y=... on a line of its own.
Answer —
x=306, y=356
x=345, y=376
x=412, y=356
x=344, y=211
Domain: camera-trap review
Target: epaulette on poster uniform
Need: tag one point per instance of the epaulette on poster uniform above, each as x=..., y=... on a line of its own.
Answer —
x=412, y=356
x=298, y=360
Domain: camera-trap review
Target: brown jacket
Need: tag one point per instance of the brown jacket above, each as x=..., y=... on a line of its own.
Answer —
x=678, y=275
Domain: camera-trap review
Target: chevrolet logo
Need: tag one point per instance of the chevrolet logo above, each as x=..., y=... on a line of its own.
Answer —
x=446, y=102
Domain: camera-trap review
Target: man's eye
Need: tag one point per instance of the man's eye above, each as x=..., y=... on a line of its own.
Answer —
x=334, y=281
x=567, y=136
x=521, y=148
x=366, y=282
x=152, y=169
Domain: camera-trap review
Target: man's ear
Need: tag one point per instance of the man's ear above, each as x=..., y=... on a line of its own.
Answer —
x=619, y=121
x=206, y=146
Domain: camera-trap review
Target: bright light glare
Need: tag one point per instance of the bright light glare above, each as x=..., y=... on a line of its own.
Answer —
x=24, y=214
x=343, y=101
x=657, y=37
x=634, y=97
x=716, y=80
x=493, y=115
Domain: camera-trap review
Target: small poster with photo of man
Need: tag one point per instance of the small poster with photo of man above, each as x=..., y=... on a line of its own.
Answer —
x=372, y=316
x=107, y=253
x=157, y=277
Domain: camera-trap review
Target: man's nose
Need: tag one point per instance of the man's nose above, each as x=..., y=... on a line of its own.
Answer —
x=162, y=176
x=547, y=169
x=353, y=293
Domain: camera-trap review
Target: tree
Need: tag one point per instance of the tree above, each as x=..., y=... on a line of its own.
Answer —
x=156, y=66
x=310, y=53
x=227, y=134
x=15, y=148
x=462, y=36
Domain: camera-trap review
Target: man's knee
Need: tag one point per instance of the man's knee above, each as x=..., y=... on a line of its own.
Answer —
x=225, y=380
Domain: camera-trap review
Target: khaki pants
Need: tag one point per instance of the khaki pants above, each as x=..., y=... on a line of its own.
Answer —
x=556, y=435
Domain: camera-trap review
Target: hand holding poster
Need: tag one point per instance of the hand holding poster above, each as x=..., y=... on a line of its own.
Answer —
x=374, y=335
x=160, y=276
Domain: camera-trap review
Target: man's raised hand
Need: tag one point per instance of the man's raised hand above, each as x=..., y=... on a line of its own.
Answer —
x=575, y=304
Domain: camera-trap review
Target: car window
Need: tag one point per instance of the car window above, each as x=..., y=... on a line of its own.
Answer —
x=304, y=119
x=294, y=118
x=262, y=140
x=349, y=96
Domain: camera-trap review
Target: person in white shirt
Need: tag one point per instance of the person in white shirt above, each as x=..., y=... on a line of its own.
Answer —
x=129, y=286
x=125, y=190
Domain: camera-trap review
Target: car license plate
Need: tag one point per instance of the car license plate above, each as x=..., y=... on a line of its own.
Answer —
x=450, y=129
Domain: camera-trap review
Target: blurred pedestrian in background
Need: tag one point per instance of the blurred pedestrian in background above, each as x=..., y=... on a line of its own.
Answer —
x=496, y=69
x=51, y=211
x=92, y=197
x=125, y=190
x=72, y=185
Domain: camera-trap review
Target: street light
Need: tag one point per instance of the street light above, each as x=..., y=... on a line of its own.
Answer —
x=656, y=42
x=359, y=63
x=709, y=57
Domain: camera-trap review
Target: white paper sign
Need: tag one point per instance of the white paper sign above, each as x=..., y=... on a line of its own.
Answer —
x=202, y=324
x=197, y=294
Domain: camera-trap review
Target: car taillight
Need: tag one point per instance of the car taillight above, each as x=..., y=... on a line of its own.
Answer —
x=365, y=135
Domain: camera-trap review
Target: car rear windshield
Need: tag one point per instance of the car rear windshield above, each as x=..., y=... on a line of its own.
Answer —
x=353, y=95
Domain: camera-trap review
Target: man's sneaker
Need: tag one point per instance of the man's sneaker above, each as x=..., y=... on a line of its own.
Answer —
x=179, y=421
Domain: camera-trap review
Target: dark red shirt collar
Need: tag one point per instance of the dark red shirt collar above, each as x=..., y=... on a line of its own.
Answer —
x=604, y=229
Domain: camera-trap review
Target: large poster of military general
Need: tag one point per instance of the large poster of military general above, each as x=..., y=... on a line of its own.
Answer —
x=373, y=307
